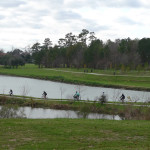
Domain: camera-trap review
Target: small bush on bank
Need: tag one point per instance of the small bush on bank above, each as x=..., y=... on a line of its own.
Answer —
x=4, y=100
x=103, y=98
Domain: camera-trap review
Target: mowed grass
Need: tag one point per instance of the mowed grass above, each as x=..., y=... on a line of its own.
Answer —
x=129, y=82
x=81, y=134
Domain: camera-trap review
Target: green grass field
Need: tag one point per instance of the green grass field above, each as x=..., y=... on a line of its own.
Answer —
x=81, y=134
x=137, y=82
x=68, y=134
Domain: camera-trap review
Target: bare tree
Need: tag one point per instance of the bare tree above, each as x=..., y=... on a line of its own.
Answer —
x=25, y=90
x=62, y=91
x=116, y=94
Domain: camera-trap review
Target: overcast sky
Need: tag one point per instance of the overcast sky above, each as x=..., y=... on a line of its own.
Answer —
x=24, y=22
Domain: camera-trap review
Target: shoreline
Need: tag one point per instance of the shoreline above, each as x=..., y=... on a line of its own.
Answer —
x=46, y=78
x=110, y=108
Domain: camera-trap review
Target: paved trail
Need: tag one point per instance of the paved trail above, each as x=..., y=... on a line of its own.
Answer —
x=98, y=74
x=71, y=100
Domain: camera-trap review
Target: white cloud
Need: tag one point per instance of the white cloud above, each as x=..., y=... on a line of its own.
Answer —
x=11, y=3
x=23, y=22
x=108, y=3
x=67, y=15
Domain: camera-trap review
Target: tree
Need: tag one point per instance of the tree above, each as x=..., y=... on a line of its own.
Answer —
x=70, y=39
x=37, y=54
x=78, y=55
x=125, y=45
x=144, y=49
x=83, y=36
x=94, y=52
x=47, y=43
x=61, y=43
x=92, y=37
x=1, y=56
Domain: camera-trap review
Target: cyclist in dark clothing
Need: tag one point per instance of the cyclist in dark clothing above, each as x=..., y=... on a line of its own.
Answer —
x=44, y=94
x=10, y=92
x=122, y=98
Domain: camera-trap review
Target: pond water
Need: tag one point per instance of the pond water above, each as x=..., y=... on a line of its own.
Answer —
x=40, y=113
x=35, y=87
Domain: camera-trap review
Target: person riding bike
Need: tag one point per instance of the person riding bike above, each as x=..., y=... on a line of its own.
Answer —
x=76, y=96
x=44, y=94
x=122, y=98
x=10, y=92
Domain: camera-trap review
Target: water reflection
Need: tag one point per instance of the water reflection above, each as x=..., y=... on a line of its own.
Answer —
x=11, y=112
x=40, y=113
x=97, y=116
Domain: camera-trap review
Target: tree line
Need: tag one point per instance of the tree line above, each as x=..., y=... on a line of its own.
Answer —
x=15, y=58
x=83, y=50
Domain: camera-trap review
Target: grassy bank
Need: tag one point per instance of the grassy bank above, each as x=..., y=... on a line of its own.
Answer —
x=129, y=82
x=128, y=111
x=69, y=134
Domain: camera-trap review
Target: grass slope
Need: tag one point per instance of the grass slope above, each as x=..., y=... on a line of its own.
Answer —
x=73, y=134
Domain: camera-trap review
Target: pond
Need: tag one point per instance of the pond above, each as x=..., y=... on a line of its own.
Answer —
x=41, y=113
x=35, y=87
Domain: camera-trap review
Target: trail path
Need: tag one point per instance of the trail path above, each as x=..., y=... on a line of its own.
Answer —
x=97, y=74
x=71, y=100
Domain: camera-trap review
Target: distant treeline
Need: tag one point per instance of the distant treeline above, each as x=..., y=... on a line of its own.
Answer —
x=83, y=50
x=14, y=58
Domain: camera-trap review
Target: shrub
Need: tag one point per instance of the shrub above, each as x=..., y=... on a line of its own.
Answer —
x=103, y=98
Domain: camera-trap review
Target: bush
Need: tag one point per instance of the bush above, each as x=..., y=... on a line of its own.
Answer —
x=103, y=99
